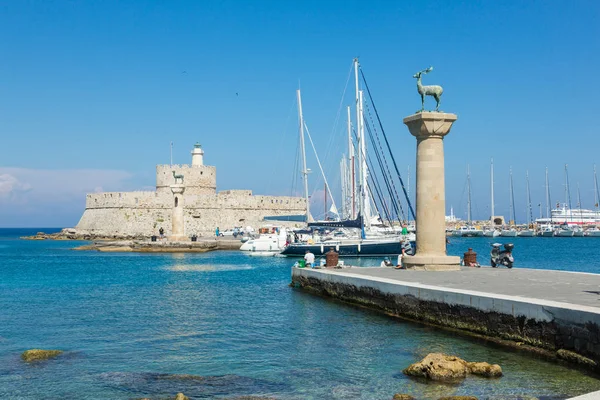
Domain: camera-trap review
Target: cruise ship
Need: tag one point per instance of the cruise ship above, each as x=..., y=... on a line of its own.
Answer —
x=565, y=215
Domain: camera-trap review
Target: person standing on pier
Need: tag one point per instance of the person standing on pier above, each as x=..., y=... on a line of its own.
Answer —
x=309, y=258
x=217, y=232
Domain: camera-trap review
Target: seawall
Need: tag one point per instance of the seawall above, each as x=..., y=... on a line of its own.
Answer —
x=550, y=312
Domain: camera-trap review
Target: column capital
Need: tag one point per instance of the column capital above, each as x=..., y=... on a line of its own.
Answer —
x=177, y=188
x=430, y=124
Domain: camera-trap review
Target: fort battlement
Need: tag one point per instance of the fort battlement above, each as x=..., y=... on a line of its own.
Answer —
x=197, y=179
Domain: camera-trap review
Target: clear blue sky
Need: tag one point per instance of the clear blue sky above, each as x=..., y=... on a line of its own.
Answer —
x=91, y=93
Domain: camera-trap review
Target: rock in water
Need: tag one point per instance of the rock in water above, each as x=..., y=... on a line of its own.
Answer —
x=484, y=369
x=181, y=396
x=38, y=355
x=400, y=396
x=439, y=367
x=458, y=398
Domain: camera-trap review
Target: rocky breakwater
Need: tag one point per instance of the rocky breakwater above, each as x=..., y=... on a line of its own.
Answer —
x=74, y=234
x=147, y=246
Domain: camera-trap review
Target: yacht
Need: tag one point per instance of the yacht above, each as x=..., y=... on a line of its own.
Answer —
x=512, y=232
x=270, y=239
x=546, y=230
x=593, y=232
x=467, y=231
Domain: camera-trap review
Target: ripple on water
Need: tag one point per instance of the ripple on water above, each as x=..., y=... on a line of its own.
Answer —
x=208, y=267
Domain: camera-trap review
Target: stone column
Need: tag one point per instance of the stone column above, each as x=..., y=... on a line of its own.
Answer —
x=178, y=229
x=430, y=128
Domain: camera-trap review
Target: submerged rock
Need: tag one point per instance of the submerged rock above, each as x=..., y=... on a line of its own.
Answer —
x=181, y=396
x=194, y=386
x=38, y=354
x=458, y=398
x=400, y=396
x=442, y=367
x=439, y=367
x=484, y=369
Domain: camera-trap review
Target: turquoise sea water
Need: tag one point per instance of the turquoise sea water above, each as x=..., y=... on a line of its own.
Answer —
x=133, y=324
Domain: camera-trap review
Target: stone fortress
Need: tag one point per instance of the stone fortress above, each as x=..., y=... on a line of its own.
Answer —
x=184, y=203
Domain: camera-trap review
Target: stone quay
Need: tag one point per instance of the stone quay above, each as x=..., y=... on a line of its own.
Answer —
x=552, y=313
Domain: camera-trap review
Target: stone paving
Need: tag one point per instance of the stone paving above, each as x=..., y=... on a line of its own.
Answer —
x=580, y=289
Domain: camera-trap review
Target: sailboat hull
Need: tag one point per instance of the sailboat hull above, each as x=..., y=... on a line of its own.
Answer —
x=526, y=233
x=353, y=248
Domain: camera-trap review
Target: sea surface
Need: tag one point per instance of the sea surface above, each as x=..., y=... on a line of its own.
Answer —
x=223, y=325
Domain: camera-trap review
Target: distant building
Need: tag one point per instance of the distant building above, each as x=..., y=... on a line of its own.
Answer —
x=189, y=189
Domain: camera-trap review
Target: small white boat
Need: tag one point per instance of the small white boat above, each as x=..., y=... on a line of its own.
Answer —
x=594, y=232
x=578, y=232
x=491, y=232
x=565, y=231
x=271, y=239
x=508, y=233
x=467, y=231
x=526, y=233
x=546, y=231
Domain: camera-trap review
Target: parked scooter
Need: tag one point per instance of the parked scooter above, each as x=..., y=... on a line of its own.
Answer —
x=502, y=257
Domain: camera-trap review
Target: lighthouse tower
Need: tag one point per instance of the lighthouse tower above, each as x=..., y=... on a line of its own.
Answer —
x=197, y=155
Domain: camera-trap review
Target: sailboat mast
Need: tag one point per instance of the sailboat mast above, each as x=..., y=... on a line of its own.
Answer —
x=359, y=142
x=579, y=203
x=304, y=169
x=596, y=190
x=492, y=191
x=568, y=194
x=351, y=169
x=366, y=200
x=512, y=200
x=468, y=195
x=530, y=215
x=548, y=215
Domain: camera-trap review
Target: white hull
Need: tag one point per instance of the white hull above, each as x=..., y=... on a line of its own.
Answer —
x=491, y=233
x=527, y=233
x=564, y=233
x=593, y=233
x=263, y=253
x=546, y=233
x=569, y=216
x=271, y=242
x=508, y=233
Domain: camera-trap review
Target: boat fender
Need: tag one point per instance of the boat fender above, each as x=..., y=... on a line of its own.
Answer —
x=337, y=248
x=359, y=247
x=321, y=248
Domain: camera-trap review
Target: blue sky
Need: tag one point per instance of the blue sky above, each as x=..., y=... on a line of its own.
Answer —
x=91, y=93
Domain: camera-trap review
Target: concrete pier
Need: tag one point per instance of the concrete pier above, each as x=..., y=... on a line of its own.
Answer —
x=551, y=312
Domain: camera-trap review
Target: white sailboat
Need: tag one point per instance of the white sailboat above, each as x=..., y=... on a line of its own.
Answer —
x=491, y=232
x=595, y=231
x=469, y=230
x=565, y=230
x=547, y=230
x=528, y=232
x=510, y=232
x=577, y=231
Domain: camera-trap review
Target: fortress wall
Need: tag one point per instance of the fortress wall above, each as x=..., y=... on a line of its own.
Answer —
x=143, y=213
x=197, y=180
x=124, y=221
x=126, y=200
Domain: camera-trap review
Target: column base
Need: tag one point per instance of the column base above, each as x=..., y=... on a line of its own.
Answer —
x=431, y=263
